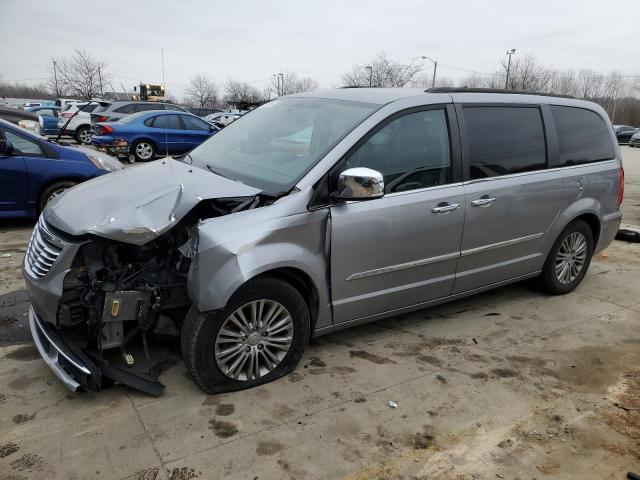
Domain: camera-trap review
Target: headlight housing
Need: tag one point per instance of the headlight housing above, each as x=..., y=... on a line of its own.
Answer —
x=104, y=162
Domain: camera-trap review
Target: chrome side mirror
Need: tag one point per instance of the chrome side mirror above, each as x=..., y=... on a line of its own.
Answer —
x=359, y=183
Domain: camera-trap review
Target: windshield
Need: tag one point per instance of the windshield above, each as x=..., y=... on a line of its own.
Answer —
x=273, y=146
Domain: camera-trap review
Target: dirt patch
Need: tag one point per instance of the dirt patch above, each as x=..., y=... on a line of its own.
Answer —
x=370, y=357
x=269, y=448
x=624, y=417
x=183, y=473
x=14, y=321
x=295, y=377
x=533, y=361
x=24, y=353
x=148, y=474
x=431, y=360
x=504, y=373
x=317, y=362
x=344, y=370
x=8, y=449
x=223, y=429
x=23, y=417
x=28, y=462
x=20, y=383
x=211, y=400
x=3, y=399
x=479, y=375
x=225, y=409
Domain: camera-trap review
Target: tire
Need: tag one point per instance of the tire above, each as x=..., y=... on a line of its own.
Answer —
x=83, y=135
x=143, y=151
x=52, y=191
x=559, y=277
x=202, y=344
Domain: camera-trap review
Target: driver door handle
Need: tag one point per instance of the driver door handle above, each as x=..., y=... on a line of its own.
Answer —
x=483, y=202
x=445, y=208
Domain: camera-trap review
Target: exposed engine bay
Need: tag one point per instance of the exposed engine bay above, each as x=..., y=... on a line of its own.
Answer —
x=117, y=297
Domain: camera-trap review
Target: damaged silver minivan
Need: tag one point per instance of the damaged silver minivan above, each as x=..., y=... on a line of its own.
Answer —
x=316, y=212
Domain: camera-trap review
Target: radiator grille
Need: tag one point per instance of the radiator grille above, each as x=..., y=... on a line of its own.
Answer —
x=42, y=252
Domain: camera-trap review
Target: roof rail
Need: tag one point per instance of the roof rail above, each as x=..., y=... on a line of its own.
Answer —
x=491, y=90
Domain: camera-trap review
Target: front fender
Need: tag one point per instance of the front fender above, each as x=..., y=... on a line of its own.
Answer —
x=232, y=252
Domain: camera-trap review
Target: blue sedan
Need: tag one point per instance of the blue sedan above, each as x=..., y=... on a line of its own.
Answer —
x=141, y=136
x=49, y=118
x=34, y=170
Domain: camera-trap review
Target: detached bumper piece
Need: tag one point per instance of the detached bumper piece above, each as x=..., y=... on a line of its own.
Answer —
x=84, y=370
x=117, y=148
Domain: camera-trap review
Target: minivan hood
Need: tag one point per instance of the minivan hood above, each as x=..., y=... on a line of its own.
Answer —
x=138, y=204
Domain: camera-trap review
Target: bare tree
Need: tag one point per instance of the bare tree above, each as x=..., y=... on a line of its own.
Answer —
x=202, y=91
x=81, y=74
x=589, y=83
x=527, y=74
x=289, y=83
x=382, y=72
x=55, y=85
x=241, y=92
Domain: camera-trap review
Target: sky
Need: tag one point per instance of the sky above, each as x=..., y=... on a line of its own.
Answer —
x=251, y=40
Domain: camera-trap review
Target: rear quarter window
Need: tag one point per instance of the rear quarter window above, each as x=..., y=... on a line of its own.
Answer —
x=583, y=136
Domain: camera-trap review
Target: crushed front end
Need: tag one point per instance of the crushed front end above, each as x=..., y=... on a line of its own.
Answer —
x=93, y=298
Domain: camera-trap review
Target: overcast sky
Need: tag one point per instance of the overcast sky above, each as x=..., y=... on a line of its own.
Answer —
x=251, y=40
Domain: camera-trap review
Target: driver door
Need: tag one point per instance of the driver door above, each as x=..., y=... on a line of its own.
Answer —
x=402, y=249
x=14, y=180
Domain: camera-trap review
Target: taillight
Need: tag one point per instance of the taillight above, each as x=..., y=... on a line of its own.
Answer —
x=102, y=118
x=106, y=129
x=621, y=189
x=66, y=114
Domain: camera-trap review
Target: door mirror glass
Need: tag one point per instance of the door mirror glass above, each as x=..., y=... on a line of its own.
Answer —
x=360, y=183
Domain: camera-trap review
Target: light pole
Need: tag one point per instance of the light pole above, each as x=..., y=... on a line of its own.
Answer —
x=435, y=68
x=281, y=83
x=370, y=68
x=277, y=75
x=509, y=52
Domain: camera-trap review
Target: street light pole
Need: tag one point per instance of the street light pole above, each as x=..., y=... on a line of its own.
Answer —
x=509, y=52
x=281, y=83
x=370, y=68
x=55, y=76
x=435, y=69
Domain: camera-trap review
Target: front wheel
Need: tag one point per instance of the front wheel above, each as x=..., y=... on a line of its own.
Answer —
x=258, y=337
x=143, y=151
x=52, y=191
x=568, y=260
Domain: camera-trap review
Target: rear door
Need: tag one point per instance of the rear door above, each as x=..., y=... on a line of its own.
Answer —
x=402, y=249
x=511, y=197
x=167, y=133
x=196, y=131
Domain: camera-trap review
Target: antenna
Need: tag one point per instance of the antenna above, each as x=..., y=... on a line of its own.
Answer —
x=163, y=84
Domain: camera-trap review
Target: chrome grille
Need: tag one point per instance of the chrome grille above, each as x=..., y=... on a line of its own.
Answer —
x=42, y=251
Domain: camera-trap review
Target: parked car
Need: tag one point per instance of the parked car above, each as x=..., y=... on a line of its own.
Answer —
x=634, y=141
x=48, y=118
x=75, y=119
x=114, y=111
x=250, y=247
x=202, y=111
x=225, y=118
x=142, y=136
x=34, y=170
x=624, y=132
x=22, y=118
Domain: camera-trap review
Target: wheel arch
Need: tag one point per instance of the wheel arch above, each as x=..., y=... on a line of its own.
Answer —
x=67, y=178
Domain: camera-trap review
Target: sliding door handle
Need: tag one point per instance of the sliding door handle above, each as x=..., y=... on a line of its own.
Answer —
x=483, y=202
x=444, y=208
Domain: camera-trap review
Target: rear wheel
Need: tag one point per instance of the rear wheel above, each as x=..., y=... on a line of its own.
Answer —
x=568, y=260
x=52, y=191
x=83, y=135
x=143, y=151
x=258, y=337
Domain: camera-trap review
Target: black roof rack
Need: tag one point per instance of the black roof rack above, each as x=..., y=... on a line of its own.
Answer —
x=490, y=90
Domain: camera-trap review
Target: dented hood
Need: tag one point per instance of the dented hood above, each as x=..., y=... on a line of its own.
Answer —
x=137, y=204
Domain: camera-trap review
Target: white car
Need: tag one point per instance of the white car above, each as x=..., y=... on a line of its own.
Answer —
x=80, y=124
x=224, y=118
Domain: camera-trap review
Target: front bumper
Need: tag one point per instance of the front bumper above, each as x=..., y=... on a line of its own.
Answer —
x=66, y=365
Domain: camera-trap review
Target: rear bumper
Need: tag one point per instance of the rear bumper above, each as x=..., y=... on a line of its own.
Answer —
x=608, y=230
x=118, y=147
x=66, y=365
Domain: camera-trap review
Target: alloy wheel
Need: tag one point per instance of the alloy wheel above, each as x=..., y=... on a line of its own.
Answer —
x=85, y=136
x=144, y=151
x=571, y=257
x=253, y=340
x=55, y=193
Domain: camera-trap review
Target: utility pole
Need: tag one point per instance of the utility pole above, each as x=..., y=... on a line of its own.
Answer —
x=281, y=75
x=435, y=69
x=509, y=52
x=55, y=77
x=162, y=52
x=370, y=68
x=100, y=78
